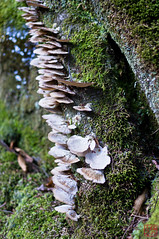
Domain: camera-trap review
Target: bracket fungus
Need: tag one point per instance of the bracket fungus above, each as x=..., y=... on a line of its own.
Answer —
x=79, y=145
x=83, y=107
x=67, y=184
x=63, y=196
x=70, y=213
x=98, y=158
x=68, y=159
x=58, y=151
x=58, y=138
x=95, y=176
x=61, y=169
x=55, y=85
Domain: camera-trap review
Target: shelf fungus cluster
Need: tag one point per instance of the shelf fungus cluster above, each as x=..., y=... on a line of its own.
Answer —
x=56, y=90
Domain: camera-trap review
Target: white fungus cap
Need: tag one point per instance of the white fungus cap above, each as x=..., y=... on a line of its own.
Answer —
x=63, y=208
x=98, y=158
x=60, y=169
x=79, y=145
x=72, y=215
x=68, y=209
x=68, y=159
x=58, y=151
x=93, y=175
x=83, y=107
x=58, y=138
x=67, y=184
x=57, y=94
x=63, y=196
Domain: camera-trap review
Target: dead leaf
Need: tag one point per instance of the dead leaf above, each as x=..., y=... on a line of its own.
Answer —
x=11, y=144
x=21, y=152
x=22, y=163
x=139, y=201
x=50, y=183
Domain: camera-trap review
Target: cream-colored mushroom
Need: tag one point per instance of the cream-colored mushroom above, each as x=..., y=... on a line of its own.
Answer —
x=78, y=145
x=68, y=159
x=58, y=138
x=58, y=52
x=64, y=89
x=57, y=119
x=83, y=107
x=72, y=215
x=93, y=175
x=63, y=128
x=41, y=51
x=57, y=94
x=49, y=30
x=35, y=24
x=46, y=45
x=62, y=169
x=54, y=43
x=36, y=4
x=52, y=72
x=52, y=66
x=68, y=209
x=43, y=78
x=63, y=196
x=72, y=126
x=67, y=184
x=98, y=158
x=64, y=100
x=36, y=39
x=58, y=151
x=47, y=102
x=64, y=208
x=92, y=145
x=47, y=58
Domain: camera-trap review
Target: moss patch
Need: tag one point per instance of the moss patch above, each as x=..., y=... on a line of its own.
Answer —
x=34, y=217
x=13, y=188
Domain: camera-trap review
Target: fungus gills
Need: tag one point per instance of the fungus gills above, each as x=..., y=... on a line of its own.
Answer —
x=55, y=88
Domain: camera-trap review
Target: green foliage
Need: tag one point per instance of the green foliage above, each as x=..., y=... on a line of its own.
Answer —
x=9, y=16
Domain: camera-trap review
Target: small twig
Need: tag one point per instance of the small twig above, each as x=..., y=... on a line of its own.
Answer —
x=155, y=131
x=3, y=204
x=7, y=147
x=5, y=211
x=131, y=224
x=139, y=216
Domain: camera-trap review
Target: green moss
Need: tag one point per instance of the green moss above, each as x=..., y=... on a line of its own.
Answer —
x=140, y=25
x=9, y=14
x=89, y=49
x=12, y=187
x=34, y=216
x=138, y=21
